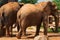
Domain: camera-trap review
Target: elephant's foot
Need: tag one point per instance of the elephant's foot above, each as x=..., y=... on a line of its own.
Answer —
x=23, y=37
x=11, y=35
x=18, y=36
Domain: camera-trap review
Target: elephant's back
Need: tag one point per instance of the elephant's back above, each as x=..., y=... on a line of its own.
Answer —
x=41, y=5
x=10, y=7
x=15, y=5
x=27, y=8
x=30, y=14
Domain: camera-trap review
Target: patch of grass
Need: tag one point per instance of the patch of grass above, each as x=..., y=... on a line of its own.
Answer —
x=30, y=28
x=49, y=30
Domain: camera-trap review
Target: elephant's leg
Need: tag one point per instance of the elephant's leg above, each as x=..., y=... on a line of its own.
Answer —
x=24, y=32
x=11, y=30
x=45, y=24
x=19, y=34
x=7, y=31
x=22, y=29
x=45, y=29
x=56, y=22
x=38, y=28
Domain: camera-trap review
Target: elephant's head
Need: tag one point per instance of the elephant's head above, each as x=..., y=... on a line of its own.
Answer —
x=53, y=7
x=49, y=7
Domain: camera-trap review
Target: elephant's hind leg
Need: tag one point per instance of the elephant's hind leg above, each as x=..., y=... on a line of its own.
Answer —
x=7, y=31
x=19, y=34
x=38, y=28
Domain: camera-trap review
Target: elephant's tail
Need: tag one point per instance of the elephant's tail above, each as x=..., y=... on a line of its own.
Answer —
x=21, y=4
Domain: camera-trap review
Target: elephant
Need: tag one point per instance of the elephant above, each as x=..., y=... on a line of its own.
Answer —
x=34, y=15
x=54, y=13
x=8, y=15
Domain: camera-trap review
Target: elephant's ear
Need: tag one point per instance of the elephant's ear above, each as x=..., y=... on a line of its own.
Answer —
x=47, y=6
x=21, y=4
x=51, y=4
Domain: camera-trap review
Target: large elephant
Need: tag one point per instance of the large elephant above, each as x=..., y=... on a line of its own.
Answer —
x=8, y=15
x=34, y=15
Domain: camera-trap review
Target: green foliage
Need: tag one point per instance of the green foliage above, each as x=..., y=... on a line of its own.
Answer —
x=57, y=3
x=3, y=2
x=29, y=1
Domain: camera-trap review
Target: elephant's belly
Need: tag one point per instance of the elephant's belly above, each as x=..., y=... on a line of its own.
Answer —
x=33, y=21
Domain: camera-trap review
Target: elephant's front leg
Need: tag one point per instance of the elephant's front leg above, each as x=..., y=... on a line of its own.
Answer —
x=45, y=24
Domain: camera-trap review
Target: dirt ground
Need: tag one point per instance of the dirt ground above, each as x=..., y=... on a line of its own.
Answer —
x=54, y=36
x=51, y=36
x=14, y=38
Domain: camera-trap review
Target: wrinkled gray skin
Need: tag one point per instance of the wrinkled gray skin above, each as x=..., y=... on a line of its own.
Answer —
x=8, y=15
x=34, y=15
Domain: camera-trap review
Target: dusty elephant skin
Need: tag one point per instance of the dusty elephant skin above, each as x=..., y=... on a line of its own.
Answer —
x=34, y=15
x=8, y=15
